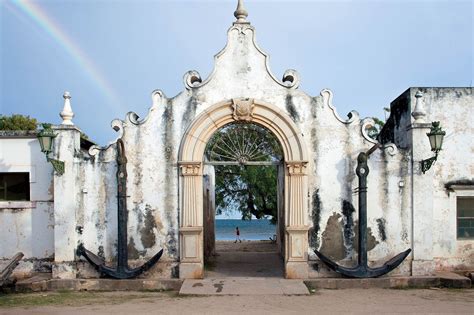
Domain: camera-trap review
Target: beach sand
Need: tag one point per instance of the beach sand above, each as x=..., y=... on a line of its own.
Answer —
x=246, y=246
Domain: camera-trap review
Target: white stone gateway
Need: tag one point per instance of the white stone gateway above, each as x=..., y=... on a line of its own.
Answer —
x=165, y=150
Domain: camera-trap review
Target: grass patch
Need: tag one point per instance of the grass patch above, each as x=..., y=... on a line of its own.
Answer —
x=48, y=298
x=73, y=298
x=312, y=290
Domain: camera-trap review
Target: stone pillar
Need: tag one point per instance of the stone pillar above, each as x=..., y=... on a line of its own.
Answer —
x=296, y=258
x=66, y=144
x=421, y=193
x=191, y=238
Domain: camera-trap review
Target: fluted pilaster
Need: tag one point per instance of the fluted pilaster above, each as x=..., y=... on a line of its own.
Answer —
x=192, y=181
x=297, y=192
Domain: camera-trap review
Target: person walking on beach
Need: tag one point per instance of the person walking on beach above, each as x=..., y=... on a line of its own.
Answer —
x=237, y=235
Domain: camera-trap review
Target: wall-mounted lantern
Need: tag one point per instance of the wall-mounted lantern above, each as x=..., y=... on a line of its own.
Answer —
x=436, y=136
x=45, y=138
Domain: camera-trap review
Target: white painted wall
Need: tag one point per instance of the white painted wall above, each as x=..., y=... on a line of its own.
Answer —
x=434, y=223
x=86, y=205
x=27, y=226
x=454, y=108
x=152, y=144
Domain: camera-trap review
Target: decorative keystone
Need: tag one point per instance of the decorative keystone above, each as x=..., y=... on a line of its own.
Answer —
x=243, y=109
x=67, y=113
x=241, y=13
x=419, y=111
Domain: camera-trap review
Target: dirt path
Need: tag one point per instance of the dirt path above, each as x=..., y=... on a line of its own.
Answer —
x=368, y=301
x=245, y=259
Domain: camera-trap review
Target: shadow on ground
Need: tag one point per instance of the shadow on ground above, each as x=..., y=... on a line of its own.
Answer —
x=246, y=259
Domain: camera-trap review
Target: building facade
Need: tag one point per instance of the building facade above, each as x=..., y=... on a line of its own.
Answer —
x=166, y=176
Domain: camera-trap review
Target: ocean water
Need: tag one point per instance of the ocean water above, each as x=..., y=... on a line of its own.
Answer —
x=253, y=230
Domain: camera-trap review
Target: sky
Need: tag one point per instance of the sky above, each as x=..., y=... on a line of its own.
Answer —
x=111, y=55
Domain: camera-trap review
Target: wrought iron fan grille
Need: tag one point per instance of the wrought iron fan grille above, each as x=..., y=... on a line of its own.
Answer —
x=243, y=144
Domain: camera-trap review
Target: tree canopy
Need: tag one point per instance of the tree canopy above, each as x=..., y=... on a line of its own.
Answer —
x=248, y=189
x=17, y=122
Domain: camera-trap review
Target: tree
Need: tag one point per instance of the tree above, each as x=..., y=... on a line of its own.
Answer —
x=374, y=131
x=248, y=189
x=21, y=122
x=17, y=122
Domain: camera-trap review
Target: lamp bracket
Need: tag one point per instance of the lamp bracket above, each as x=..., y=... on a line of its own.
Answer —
x=426, y=164
x=57, y=165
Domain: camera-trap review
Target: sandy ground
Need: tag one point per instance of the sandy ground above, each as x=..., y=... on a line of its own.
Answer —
x=246, y=259
x=363, y=301
x=246, y=246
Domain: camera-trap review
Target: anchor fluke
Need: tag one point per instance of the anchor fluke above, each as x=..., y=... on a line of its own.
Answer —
x=361, y=271
x=121, y=272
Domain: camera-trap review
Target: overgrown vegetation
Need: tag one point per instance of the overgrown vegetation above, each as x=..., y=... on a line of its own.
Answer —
x=374, y=131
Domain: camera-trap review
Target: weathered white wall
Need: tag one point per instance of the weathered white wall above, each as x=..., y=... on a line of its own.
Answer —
x=454, y=108
x=151, y=146
x=335, y=145
x=86, y=206
x=27, y=226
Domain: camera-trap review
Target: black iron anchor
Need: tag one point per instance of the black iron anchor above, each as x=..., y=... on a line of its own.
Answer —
x=362, y=270
x=122, y=271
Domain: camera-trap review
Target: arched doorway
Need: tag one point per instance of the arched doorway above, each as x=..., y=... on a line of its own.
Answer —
x=191, y=155
x=243, y=191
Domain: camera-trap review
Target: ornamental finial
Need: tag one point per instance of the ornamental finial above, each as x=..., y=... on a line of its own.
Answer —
x=67, y=113
x=240, y=13
x=419, y=111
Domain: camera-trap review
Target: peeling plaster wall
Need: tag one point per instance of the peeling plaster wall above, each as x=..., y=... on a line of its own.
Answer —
x=454, y=108
x=96, y=224
x=241, y=71
x=152, y=190
x=27, y=226
x=151, y=144
x=335, y=144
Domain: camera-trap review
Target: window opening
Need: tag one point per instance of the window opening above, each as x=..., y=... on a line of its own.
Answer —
x=14, y=186
x=465, y=217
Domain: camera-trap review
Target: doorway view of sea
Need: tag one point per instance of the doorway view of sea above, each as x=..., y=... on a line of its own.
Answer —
x=252, y=230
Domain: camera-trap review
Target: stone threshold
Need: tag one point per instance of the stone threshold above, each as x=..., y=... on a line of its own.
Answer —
x=243, y=286
x=441, y=280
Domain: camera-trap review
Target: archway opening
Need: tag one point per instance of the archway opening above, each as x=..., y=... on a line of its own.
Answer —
x=292, y=178
x=243, y=180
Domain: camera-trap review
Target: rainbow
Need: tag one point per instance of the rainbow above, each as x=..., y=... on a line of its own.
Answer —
x=48, y=25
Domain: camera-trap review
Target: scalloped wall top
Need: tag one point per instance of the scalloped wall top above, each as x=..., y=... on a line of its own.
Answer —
x=243, y=62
